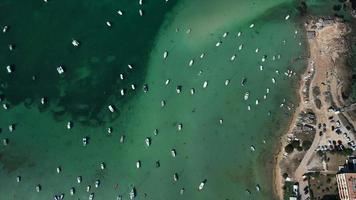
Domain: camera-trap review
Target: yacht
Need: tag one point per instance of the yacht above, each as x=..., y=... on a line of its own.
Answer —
x=9, y=69
x=201, y=185
x=120, y=12
x=132, y=193
x=138, y=164
x=102, y=166
x=233, y=57
x=205, y=84
x=227, y=81
x=167, y=81
x=192, y=91
x=191, y=62
x=111, y=108
x=247, y=94
x=69, y=125
x=75, y=43
x=252, y=148
x=60, y=69
x=175, y=177
x=140, y=12
x=148, y=141
x=97, y=183
x=165, y=54
x=72, y=191
x=243, y=81
x=173, y=153
x=79, y=179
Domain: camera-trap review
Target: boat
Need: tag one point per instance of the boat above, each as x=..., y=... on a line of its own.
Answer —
x=102, y=166
x=257, y=101
x=148, y=141
x=121, y=76
x=238, y=34
x=201, y=185
x=173, y=153
x=247, y=94
x=120, y=12
x=205, y=84
x=79, y=179
x=287, y=17
x=111, y=108
x=167, y=81
x=58, y=197
x=133, y=87
x=5, y=106
x=38, y=188
x=240, y=47
x=248, y=107
x=69, y=125
x=4, y=29
x=163, y=103
x=91, y=196
x=179, y=89
x=227, y=81
x=258, y=188
x=109, y=130
x=155, y=132
x=18, y=179
x=192, y=91
x=132, y=193
x=97, y=183
x=145, y=88
x=202, y=55
x=85, y=141
x=243, y=81
x=264, y=59
x=60, y=69
x=252, y=148
x=181, y=191
x=267, y=90
x=225, y=34
x=43, y=100
x=11, y=47
x=72, y=191
x=273, y=80
x=221, y=121
x=122, y=92
x=11, y=127
x=108, y=23
x=175, y=177
x=5, y=141
x=165, y=54
x=140, y=12
x=122, y=139
x=59, y=169
x=257, y=50
x=261, y=67
x=130, y=66
x=252, y=25
x=140, y=2
x=138, y=164
x=233, y=57
x=179, y=127
x=218, y=43
x=75, y=43
x=191, y=62
x=264, y=96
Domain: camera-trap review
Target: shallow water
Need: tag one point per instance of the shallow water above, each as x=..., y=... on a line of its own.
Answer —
x=205, y=149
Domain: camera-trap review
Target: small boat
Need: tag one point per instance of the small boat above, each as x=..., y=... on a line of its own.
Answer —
x=91, y=196
x=267, y=90
x=239, y=34
x=257, y=50
x=218, y=43
x=140, y=12
x=273, y=80
x=179, y=89
x=233, y=57
x=258, y=188
x=122, y=92
x=173, y=153
x=261, y=67
x=102, y=166
x=11, y=47
x=11, y=127
x=145, y=88
x=248, y=107
x=97, y=183
x=9, y=69
x=43, y=100
x=5, y=106
x=59, y=169
x=69, y=125
x=257, y=101
x=227, y=81
x=18, y=179
x=148, y=141
x=264, y=96
x=132, y=193
x=163, y=103
x=191, y=62
x=175, y=177
x=247, y=94
x=60, y=69
x=286, y=17
x=109, y=130
x=188, y=31
x=120, y=12
x=181, y=191
x=4, y=29
x=221, y=121
x=264, y=59
x=75, y=43
x=108, y=23
x=140, y=2
x=240, y=47
x=122, y=139
x=165, y=54
x=138, y=164
x=167, y=81
x=72, y=191
x=155, y=132
x=225, y=34
x=179, y=127
x=121, y=76
x=130, y=66
x=133, y=87
x=38, y=188
x=85, y=141
x=59, y=197
x=192, y=91
x=79, y=179
x=202, y=55
x=5, y=141
x=252, y=148
x=205, y=84
x=252, y=25
x=111, y=108
x=243, y=81
x=201, y=185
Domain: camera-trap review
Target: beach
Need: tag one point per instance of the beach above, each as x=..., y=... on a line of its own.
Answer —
x=327, y=45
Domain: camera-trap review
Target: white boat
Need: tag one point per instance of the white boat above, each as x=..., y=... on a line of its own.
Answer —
x=69, y=125
x=138, y=164
x=264, y=96
x=5, y=141
x=140, y=12
x=175, y=177
x=102, y=166
x=108, y=23
x=109, y=130
x=11, y=47
x=221, y=121
x=72, y=191
x=257, y=101
x=192, y=91
x=91, y=196
x=225, y=34
x=122, y=77
x=240, y=47
x=130, y=66
x=120, y=12
x=140, y=2
x=257, y=50
x=122, y=92
x=9, y=69
x=4, y=29
x=148, y=141
x=227, y=81
x=59, y=169
x=132, y=193
x=165, y=54
x=205, y=84
x=85, y=141
x=261, y=67
x=179, y=89
x=75, y=43
x=263, y=59
x=273, y=80
x=122, y=139
x=79, y=179
x=111, y=108
x=38, y=188
x=248, y=107
x=247, y=94
x=258, y=188
x=252, y=25
x=252, y=148
x=97, y=183
x=286, y=17
x=233, y=57
x=202, y=55
x=181, y=191
x=43, y=100
x=173, y=153
x=179, y=127
x=191, y=62
x=163, y=103
x=267, y=90
x=239, y=34
x=60, y=69
x=18, y=179
x=218, y=43
x=188, y=31
x=167, y=81
x=201, y=185
x=5, y=106
x=133, y=87
x=11, y=127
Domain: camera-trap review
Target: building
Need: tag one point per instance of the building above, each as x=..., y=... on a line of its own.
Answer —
x=346, y=183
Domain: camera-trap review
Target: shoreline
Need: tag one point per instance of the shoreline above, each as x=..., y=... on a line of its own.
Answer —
x=317, y=48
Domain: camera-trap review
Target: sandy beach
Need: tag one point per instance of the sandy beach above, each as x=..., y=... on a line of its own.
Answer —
x=327, y=47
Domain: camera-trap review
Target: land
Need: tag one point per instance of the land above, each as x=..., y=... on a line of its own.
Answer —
x=321, y=132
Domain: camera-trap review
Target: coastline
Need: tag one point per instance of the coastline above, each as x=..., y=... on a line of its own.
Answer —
x=309, y=78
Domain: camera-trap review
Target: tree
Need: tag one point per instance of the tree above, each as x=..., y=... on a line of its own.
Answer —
x=306, y=144
x=289, y=148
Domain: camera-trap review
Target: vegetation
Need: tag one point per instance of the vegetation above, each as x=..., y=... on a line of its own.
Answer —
x=289, y=148
x=306, y=144
x=288, y=190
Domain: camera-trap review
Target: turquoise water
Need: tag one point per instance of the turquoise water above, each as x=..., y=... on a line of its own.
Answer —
x=206, y=149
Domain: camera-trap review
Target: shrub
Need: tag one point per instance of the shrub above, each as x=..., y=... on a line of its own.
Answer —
x=306, y=144
x=289, y=148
